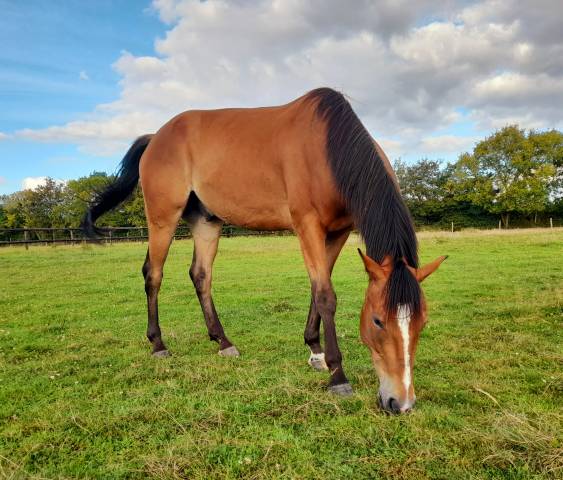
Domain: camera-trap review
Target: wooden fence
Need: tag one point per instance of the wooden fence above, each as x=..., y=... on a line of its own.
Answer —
x=30, y=236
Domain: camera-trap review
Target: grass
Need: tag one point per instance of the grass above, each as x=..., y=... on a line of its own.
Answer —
x=80, y=396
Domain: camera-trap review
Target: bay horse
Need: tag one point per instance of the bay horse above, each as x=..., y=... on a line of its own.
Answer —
x=309, y=166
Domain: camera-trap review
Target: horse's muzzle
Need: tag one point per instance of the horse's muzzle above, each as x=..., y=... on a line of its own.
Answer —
x=392, y=405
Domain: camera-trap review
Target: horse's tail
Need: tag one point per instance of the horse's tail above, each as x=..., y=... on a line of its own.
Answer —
x=119, y=190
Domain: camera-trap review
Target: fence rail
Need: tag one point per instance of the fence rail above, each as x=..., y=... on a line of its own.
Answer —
x=30, y=236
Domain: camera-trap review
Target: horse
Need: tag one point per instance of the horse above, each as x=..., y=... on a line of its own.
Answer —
x=309, y=166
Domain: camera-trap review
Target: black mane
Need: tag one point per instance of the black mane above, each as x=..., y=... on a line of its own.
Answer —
x=371, y=195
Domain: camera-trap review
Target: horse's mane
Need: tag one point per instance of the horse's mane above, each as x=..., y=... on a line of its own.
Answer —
x=371, y=195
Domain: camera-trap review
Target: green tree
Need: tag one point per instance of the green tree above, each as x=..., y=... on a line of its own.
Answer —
x=80, y=193
x=3, y=214
x=55, y=204
x=549, y=147
x=423, y=188
x=42, y=206
x=508, y=172
x=14, y=209
x=135, y=209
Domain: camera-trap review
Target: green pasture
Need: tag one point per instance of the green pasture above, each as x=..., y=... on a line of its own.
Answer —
x=81, y=396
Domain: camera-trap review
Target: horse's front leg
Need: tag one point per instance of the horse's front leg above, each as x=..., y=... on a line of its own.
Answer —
x=333, y=244
x=312, y=239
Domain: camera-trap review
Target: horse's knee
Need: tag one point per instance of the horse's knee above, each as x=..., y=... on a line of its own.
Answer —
x=325, y=302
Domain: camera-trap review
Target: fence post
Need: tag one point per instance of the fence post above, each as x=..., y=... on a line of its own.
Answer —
x=452, y=227
x=26, y=238
x=551, y=222
x=71, y=236
x=499, y=224
x=110, y=232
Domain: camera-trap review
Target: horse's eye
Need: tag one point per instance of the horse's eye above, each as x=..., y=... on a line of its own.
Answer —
x=378, y=322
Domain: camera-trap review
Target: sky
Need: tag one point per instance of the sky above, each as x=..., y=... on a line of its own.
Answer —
x=79, y=81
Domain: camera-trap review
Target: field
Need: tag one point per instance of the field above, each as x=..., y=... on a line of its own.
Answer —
x=81, y=397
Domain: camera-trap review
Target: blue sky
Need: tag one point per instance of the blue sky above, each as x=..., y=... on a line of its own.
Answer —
x=80, y=80
x=45, y=47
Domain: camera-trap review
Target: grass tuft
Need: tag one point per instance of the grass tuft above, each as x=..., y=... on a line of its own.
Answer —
x=515, y=440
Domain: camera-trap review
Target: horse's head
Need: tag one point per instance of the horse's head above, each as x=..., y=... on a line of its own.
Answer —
x=393, y=315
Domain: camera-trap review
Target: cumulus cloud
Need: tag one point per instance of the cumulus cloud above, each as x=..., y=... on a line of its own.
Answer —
x=444, y=144
x=31, y=183
x=409, y=68
x=3, y=136
x=103, y=136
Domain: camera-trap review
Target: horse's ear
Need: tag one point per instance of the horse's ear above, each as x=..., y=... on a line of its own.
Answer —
x=374, y=269
x=429, y=268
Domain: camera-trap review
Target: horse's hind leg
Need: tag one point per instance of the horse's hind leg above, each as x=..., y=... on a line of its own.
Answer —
x=206, y=233
x=333, y=243
x=159, y=243
x=153, y=328
x=161, y=232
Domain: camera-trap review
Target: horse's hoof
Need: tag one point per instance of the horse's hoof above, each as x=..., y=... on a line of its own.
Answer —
x=342, y=390
x=317, y=361
x=161, y=353
x=229, y=352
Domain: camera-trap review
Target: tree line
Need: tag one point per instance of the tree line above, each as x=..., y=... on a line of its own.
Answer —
x=514, y=175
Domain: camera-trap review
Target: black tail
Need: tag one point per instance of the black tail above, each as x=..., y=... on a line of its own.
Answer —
x=119, y=190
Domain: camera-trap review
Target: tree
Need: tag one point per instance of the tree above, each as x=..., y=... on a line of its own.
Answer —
x=423, y=187
x=13, y=207
x=549, y=147
x=79, y=193
x=135, y=209
x=508, y=172
x=3, y=214
x=42, y=206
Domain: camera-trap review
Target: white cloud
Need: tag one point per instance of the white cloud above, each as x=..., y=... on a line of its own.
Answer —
x=541, y=89
x=83, y=75
x=444, y=144
x=392, y=148
x=3, y=136
x=98, y=136
x=31, y=183
x=407, y=78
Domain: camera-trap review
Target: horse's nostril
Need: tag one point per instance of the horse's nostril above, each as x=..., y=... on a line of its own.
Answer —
x=394, y=405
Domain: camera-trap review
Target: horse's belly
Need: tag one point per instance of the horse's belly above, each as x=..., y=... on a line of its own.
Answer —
x=257, y=217
x=246, y=207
